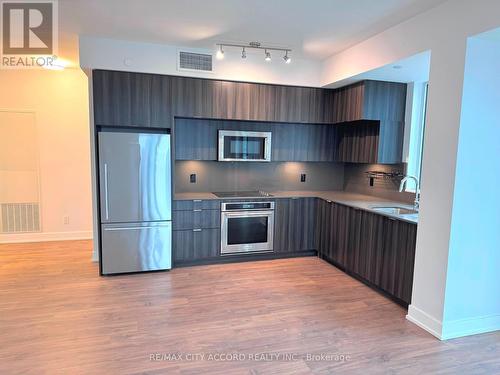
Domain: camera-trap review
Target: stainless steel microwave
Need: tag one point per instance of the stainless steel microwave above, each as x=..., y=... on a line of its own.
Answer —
x=236, y=145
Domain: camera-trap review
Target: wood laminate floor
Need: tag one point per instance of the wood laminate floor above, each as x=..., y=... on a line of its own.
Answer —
x=57, y=316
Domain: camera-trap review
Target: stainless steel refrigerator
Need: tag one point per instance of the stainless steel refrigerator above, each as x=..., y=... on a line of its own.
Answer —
x=135, y=201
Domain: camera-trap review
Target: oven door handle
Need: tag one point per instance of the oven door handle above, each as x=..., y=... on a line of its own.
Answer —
x=246, y=213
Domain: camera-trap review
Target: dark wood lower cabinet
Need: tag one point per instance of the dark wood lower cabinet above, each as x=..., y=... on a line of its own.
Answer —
x=295, y=225
x=398, y=258
x=335, y=236
x=197, y=218
x=195, y=244
x=374, y=248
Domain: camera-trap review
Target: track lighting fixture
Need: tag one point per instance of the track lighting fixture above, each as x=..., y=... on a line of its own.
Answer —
x=254, y=45
x=287, y=58
x=268, y=56
x=220, y=53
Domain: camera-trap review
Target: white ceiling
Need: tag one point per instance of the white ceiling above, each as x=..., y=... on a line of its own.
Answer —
x=314, y=29
x=411, y=69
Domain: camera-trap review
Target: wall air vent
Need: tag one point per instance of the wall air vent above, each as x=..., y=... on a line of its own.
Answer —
x=19, y=217
x=194, y=61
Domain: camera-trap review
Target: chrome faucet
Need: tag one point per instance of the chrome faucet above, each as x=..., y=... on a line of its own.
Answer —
x=417, y=189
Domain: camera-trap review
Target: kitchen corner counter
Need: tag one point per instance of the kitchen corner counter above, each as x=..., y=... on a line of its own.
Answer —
x=364, y=202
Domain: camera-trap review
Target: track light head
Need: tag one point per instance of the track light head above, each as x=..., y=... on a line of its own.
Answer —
x=287, y=58
x=220, y=53
x=268, y=56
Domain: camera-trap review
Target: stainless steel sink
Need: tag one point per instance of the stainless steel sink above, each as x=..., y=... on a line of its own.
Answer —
x=394, y=210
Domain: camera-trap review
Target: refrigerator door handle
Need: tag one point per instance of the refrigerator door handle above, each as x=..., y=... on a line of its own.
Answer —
x=136, y=228
x=106, y=198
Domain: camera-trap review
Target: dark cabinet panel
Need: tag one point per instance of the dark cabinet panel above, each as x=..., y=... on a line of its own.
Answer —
x=374, y=247
x=195, y=139
x=131, y=99
x=299, y=104
x=347, y=103
x=390, y=146
x=196, y=219
x=197, y=244
x=384, y=102
x=365, y=231
x=281, y=225
x=301, y=142
x=339, y=233
x=397, y=255
x=147, y=100
x=336, y=236
x=196, y=204
x=193, y=97
x=295, y=225
x=358, y=142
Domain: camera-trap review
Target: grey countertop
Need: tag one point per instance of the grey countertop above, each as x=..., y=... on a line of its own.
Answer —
x=364, y=202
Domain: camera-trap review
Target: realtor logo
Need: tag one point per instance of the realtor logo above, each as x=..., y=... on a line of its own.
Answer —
x=28, y=28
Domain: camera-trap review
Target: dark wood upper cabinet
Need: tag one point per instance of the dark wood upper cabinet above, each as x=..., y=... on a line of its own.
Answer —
x=196, y=139
x=131, y=99
x=358, y=141
x=384, y=102
x=345, y=103
x=149, y=100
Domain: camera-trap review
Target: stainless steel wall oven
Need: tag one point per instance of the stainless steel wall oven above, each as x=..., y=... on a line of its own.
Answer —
x=247, y=227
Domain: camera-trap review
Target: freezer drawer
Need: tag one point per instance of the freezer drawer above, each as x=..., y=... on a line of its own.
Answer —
x=135, y=247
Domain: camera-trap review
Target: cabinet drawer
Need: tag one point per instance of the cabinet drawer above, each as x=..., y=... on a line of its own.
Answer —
x=190, y=245
x=195, y=219
x=196, y=204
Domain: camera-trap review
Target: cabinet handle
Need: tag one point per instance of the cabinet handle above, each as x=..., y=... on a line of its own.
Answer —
x=197, y=230
x=196, y=200
x=197, y=210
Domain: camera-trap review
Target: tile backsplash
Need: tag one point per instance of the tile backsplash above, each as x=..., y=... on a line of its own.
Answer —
x=238, y=176
x=357, y=181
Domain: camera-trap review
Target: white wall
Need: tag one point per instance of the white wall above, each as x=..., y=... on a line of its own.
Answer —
x=442, y=30
x=59, y=100
x=100, y=53
x=472, y=301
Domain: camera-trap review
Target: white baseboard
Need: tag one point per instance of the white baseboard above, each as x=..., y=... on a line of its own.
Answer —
x=425, y=321
x=45, y=236
x=471, y=326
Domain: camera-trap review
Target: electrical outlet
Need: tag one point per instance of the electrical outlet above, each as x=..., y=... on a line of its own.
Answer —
x=303, y=177
x=192, y=178
x=66, y=220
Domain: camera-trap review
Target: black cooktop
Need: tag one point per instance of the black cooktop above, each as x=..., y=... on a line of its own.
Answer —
x=241, y=194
